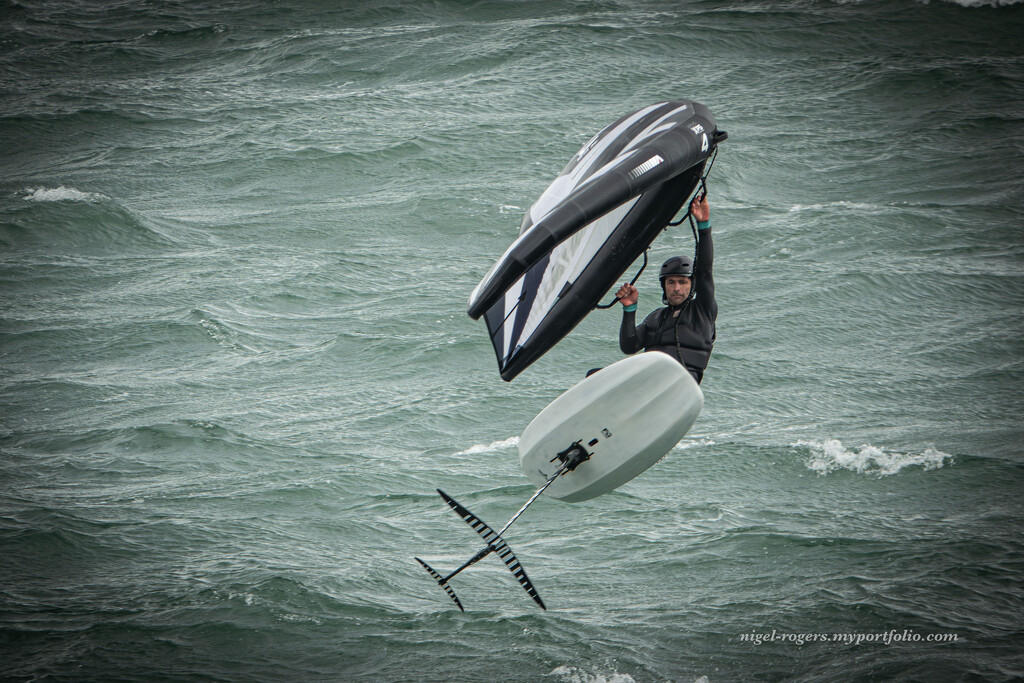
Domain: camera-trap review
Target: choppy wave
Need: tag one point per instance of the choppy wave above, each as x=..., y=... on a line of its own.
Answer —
x=830, y=455
x=60, y=194
x=575, y=674
x=67, y=220
x=979, y=3
x=844, y=206
x=492, y=447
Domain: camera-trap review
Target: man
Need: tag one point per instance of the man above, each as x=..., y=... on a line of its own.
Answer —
x=685, y=328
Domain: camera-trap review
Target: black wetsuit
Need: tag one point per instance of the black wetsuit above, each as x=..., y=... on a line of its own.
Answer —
x=689, y=336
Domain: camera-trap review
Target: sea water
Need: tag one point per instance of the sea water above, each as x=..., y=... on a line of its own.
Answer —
x=237, y=240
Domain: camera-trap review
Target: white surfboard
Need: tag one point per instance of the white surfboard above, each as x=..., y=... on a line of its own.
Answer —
x=627, y=417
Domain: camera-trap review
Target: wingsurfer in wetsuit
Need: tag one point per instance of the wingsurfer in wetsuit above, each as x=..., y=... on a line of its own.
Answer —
x=685, y=328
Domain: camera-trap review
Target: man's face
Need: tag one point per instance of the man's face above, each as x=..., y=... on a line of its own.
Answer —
x=677, y=289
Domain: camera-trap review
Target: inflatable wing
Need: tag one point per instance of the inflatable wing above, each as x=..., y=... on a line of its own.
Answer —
x=605, y=208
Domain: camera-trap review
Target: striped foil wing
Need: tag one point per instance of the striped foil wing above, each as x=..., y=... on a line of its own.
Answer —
x=497, y=544
x=444, y=584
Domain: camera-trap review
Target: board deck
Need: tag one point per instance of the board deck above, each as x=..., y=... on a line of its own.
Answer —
x=627, y=417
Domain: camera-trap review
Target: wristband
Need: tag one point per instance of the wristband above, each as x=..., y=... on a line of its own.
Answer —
x=629, y=309
x=704, y=225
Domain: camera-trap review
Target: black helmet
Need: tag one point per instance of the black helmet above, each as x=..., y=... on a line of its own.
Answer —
x=677, y=265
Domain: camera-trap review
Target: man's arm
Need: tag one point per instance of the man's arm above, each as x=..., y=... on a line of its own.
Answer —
x=629, y=340
x=703, y=281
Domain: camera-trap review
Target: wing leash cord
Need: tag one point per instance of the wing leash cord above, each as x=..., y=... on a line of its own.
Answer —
x=495, y=542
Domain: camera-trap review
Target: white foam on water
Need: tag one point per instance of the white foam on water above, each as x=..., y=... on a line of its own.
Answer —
x=831, y=455
x=695, y=442
x=574, y=674
x=980, y=3
x=837, y=205
x=60, y=194
x=491, y=447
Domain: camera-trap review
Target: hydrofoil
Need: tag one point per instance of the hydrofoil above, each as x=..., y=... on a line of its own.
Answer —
x=598, y=435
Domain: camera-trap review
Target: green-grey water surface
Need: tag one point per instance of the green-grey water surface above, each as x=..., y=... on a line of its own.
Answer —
x=236, y=244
